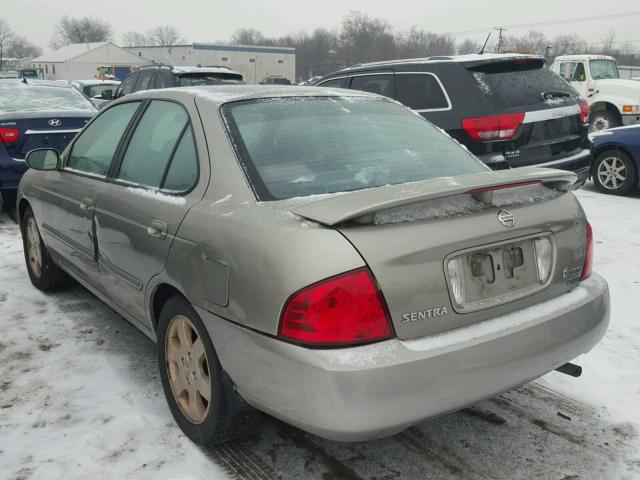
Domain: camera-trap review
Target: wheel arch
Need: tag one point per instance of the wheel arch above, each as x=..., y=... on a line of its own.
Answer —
x=607, y=106
x=160, y=293
x=22, y=207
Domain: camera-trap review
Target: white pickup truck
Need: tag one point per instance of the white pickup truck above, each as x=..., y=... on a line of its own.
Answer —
x=612, y=101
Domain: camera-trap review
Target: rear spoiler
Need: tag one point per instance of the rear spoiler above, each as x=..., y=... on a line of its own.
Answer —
x=342, y=208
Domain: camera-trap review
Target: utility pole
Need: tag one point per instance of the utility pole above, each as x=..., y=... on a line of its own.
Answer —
x=500, y=31
x=547, y=52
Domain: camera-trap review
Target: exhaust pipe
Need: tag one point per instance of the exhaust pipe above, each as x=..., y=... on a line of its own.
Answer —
x=570, y=369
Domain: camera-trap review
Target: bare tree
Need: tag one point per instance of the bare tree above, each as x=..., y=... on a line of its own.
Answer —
x=80, y=30
x=568, y=45
x=531, y=42
x=248, y=36
x=164, y=36
x=469, y=46
x=6, y=37
x=20, y=47
x=135, y=39
x=365, y=39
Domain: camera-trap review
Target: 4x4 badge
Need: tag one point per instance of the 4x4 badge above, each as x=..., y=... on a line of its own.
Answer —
x=506, y=218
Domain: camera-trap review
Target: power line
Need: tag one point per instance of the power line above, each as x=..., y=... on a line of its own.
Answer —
x=555, y=22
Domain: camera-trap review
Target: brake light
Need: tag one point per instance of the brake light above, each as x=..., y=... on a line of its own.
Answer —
x=9, y=135
x=587, y=267
x=495, y=127
x=346, y=309
x=584, y=112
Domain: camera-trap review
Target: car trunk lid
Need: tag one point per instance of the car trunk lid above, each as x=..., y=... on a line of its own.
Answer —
x=41, y=130
x=408, y=243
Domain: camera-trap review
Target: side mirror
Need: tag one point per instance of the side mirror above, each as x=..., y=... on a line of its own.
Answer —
x=43, y=159
x=106, y=95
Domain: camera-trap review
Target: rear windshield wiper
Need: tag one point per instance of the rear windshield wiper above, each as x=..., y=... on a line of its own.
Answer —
x=554, y=94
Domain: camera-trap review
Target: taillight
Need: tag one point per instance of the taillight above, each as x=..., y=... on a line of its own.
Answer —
x=496, y=127
x=587, y=267
x=9, y=135
x=346, y=309
x=584, y=112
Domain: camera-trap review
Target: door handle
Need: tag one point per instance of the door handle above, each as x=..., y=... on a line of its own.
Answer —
x=157, y=229
x=86, y=203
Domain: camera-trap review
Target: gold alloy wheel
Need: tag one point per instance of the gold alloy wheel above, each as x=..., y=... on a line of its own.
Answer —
x=188, y=369
x=34, y=252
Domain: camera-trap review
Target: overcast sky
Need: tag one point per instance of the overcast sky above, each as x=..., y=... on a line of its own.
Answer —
x=215, y=20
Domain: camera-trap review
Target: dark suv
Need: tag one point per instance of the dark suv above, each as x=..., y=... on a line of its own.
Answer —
x=165, y=76
x=509, y=110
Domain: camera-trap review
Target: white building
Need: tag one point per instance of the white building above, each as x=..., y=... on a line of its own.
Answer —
x=254, y=62
x=80, y=61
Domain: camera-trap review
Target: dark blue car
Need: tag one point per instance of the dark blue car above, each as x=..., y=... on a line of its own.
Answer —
x=35, y=114
x=616, y=160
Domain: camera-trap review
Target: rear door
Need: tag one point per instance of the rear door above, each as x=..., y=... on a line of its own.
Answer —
x=138, y=213
x=538, y=111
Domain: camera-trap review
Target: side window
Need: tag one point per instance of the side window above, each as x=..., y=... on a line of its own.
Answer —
x=129, y=83
x=145, y=80
x=335, y=83
x=183, y=170
x=578, y=74
x=561, y=70
x=153, y=143
x=93, y=150
x=420, y=92
x=164, y=80
x=380, y=84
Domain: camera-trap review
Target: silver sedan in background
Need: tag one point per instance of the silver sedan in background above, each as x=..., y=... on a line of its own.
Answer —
x=325, y=256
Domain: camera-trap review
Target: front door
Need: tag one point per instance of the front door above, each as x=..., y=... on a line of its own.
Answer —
x=140, y=210
x=69, y=196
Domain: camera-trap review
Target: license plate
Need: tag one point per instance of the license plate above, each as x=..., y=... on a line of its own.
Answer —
x=494, y=275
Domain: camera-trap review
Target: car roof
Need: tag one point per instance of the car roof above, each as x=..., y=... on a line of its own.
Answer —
x=95, y=81
x=220, y=94
x=583, y=57
x=473, y=59
x=191, y=69
x=33, y=83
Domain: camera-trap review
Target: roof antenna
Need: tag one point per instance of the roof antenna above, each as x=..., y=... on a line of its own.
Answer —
x=485, y=44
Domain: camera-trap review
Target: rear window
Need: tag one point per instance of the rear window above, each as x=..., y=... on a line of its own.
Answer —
x=16, y=97
x=300, y=146
x=510, y=84
x=199, y=79
x=420, y=91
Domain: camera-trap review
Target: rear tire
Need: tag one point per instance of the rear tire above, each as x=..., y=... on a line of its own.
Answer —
x=614, y=172
x=43, y=272
x=196, y=387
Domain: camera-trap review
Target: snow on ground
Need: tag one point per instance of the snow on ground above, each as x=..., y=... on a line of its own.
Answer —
x=80, y=397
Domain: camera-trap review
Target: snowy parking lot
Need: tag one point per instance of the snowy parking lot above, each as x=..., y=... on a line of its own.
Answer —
x=80, y=397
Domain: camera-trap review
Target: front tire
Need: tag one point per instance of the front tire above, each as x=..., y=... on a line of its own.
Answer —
x=43, y=272
x=603, y=120
x=614, y=172
x=192, y=377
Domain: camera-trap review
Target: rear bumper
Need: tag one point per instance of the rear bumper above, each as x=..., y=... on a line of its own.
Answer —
x=371, y=391
x=579, y=163
x=11, y=170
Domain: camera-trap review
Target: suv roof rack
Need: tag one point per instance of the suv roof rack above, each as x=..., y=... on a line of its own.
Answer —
x=156, y=65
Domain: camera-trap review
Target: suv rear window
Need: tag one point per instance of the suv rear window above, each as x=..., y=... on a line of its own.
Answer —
x=420, y=91
x=517, y=84
x=300, y=146
x=199, y=79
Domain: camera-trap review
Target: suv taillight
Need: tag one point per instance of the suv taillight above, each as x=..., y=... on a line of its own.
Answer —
x=347, y=309
x=9, y=135
x=495, y=127
x=587, y=267
x=584, y=112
